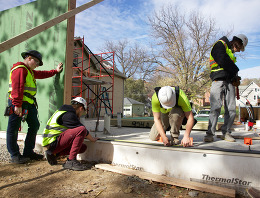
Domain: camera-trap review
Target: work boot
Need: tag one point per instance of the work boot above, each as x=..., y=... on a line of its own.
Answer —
x=19, y=159
x=34, y=156
x=74, y=165
x=51, y=158
x=228, y=137
x=208, y=138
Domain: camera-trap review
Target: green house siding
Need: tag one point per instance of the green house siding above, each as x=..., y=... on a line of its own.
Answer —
x=51, y=43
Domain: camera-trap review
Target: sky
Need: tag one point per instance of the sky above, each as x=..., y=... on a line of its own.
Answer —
x=115, y=20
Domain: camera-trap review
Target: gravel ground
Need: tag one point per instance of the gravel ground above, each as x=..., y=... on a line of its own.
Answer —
x=4, y=154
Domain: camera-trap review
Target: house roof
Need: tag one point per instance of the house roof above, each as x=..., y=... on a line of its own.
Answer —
x=244, y=89
x=95, y=62
x=128, y=101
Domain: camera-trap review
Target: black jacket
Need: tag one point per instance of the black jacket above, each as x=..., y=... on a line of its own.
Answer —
x=69, y=119
x=219, y=54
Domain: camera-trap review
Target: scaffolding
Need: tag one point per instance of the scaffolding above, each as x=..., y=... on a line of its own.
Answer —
x=94, y=81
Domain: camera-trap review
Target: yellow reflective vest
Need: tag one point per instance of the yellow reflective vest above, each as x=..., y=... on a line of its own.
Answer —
x=29, y=86
x=53, y=129
x=214, y=65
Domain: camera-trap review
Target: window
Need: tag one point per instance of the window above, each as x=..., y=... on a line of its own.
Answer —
x=254, y=97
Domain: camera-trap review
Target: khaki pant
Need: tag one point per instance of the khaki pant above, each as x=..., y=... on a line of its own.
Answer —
x=172, y=119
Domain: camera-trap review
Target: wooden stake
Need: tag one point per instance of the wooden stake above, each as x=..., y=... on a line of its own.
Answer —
x=170, y=180
x=69, y=54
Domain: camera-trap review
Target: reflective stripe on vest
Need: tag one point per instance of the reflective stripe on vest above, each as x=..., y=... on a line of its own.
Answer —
x=214, y=65
x=29, y=86
x=53, y=129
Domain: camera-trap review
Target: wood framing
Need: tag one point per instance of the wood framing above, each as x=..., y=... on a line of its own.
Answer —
x=34, y=31
x=69, y=54
x=170, y=180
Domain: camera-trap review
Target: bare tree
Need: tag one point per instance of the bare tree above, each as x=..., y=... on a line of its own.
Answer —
x=186, y=44
x=247, y=81
x=134, y=60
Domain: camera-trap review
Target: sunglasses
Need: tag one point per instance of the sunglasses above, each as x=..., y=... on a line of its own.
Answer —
x=37, y=62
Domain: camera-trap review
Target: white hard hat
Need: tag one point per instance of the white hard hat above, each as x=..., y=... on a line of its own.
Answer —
x=244, y=40
x=167, y=97
x=79, y=100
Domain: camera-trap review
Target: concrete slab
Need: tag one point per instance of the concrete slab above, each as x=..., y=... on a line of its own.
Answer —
x=228, y=164
x=141, y=135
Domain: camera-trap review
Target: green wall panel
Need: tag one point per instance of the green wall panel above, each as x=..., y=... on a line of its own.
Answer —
x=51, y=43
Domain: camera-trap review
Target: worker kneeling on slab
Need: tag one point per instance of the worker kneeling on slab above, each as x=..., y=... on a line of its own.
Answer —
x=170, y=105
x=22, y=105
x=64, y=134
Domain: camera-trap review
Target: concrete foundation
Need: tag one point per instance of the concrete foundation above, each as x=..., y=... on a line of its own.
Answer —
x=229, y=169
x=228, y=164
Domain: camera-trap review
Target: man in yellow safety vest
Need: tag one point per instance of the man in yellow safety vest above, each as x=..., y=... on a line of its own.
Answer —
x=64, y=134
x=224, y=76
x=22, y=91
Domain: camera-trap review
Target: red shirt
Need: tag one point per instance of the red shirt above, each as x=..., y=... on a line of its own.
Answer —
x=18, y=78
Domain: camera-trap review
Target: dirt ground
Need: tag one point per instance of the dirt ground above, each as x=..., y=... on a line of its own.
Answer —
x=39, y=179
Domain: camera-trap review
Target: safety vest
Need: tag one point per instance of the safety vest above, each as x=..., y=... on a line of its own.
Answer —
x=29, y=86
x=214, y=65
x=53, y=129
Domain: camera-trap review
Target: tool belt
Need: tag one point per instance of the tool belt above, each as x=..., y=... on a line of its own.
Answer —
x=236, y=81
x=8, y=111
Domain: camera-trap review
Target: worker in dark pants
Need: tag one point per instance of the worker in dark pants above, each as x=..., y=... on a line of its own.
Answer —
x=22, y=102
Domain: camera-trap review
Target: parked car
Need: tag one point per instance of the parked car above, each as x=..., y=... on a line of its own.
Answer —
x=203, y=113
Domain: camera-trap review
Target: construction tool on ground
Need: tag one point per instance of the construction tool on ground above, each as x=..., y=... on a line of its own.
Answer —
x=251, y=119
x=248, y=141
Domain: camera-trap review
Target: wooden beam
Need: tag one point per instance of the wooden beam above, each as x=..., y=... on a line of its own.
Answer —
x=254, y=193
x=32, y=32
x=69, y=54
x=170, y=180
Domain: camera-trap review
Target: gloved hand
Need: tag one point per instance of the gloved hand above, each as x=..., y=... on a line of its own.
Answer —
x=236, y=81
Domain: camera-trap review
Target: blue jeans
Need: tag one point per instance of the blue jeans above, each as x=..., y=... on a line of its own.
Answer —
x=14, y=124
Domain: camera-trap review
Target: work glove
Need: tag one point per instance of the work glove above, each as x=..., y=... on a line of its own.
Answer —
x=236, y=81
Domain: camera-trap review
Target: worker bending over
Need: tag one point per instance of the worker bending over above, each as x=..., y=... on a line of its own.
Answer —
x=64, y=134
x=170, y=105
